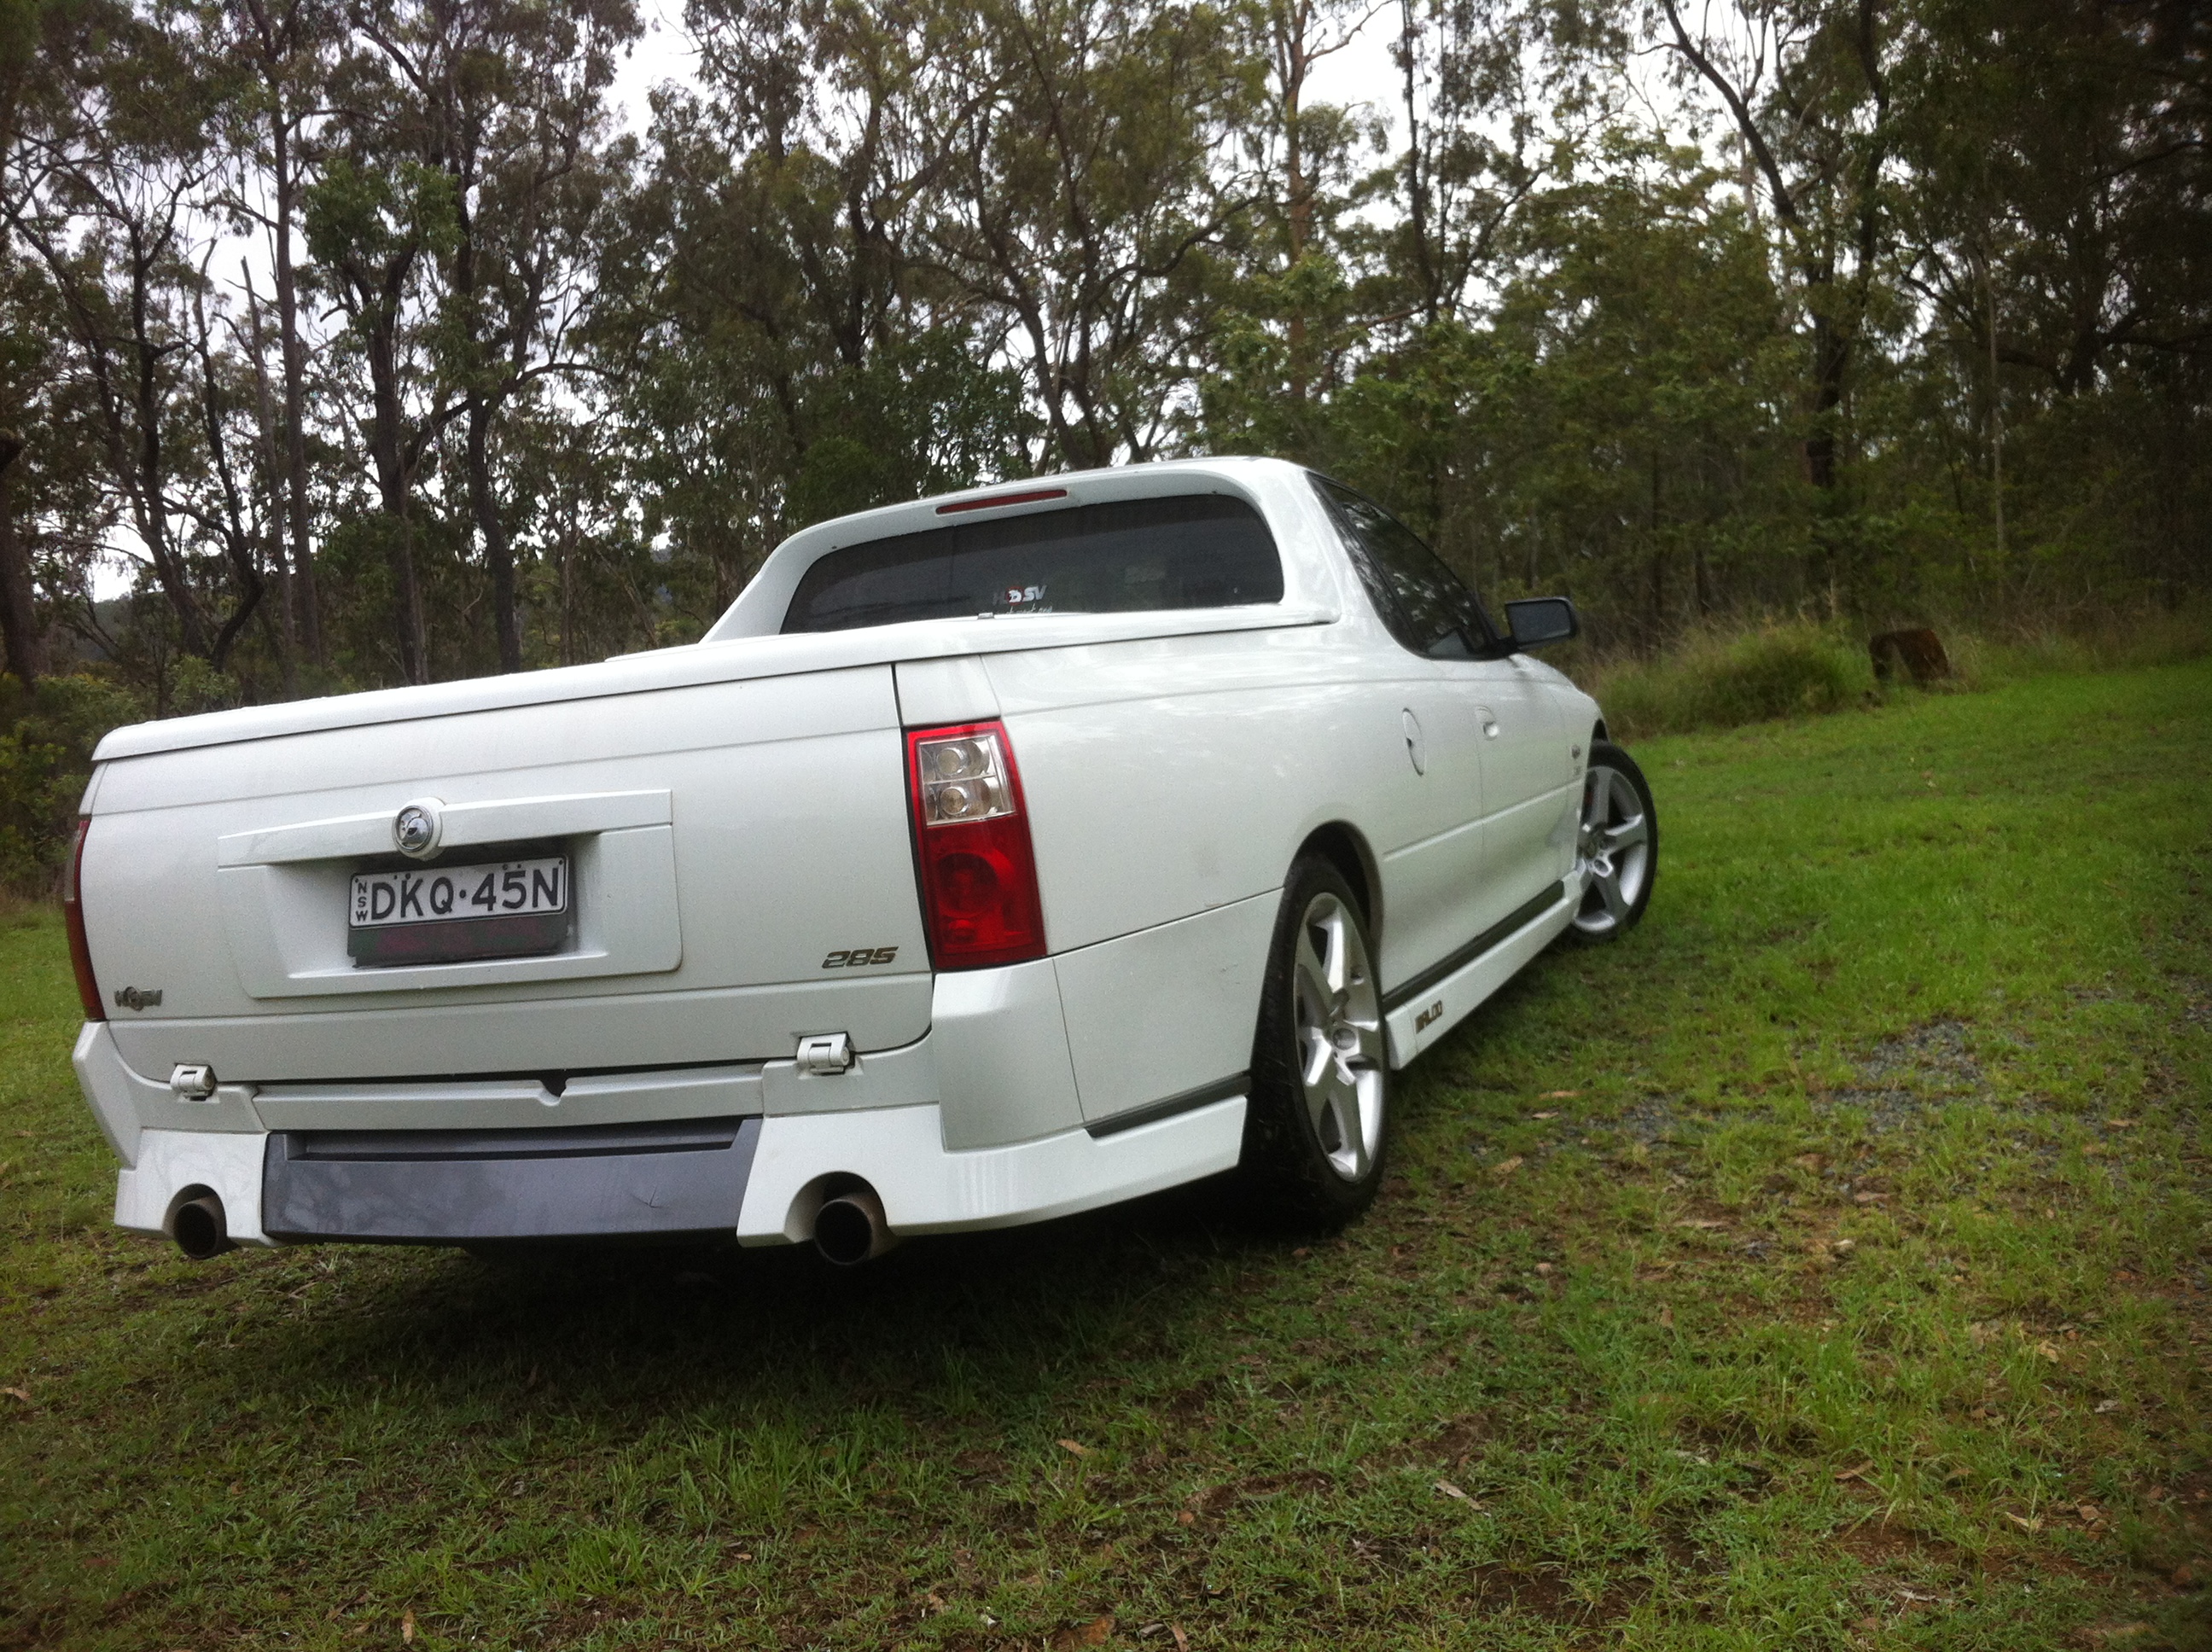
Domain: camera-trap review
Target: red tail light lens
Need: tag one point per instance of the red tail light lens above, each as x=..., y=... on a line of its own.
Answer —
x=971, y=836
x=87, y=989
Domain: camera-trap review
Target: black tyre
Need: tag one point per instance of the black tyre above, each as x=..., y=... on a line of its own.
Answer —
x=1617, y=847
x=1316, y=1127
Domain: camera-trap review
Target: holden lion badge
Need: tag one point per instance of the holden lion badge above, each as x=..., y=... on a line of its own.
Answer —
x=414, y=829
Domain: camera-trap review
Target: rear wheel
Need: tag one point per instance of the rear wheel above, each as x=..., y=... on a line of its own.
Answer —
x=1617, y=848
x=1317, y=1125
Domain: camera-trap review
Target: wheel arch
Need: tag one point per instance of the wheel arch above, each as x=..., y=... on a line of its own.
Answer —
x=1346, y=849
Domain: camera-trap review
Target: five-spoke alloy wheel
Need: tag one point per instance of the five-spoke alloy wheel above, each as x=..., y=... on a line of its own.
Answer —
x=1617, y=845
x=1317, y=1121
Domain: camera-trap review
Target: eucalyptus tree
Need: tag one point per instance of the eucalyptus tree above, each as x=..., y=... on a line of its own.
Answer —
x=288, y=43
x=110, y=193
x=1084, y=196
x=1805, y=86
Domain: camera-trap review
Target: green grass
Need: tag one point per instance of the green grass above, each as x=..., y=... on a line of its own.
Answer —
x=1825, y=1267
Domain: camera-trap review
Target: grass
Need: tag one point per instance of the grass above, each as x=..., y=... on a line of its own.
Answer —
x=1825, y=1267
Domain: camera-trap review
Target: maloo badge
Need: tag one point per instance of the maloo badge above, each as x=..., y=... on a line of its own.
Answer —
x=137, y=997
x=414, y=829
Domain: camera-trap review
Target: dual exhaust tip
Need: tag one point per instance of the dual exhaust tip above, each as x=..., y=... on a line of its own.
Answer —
x=849, y=1230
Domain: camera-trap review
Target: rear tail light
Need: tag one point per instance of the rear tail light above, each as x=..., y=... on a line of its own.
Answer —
x=979, y=885
x=87, y=989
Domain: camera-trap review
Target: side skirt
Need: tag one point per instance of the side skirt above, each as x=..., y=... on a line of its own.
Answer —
x=1425, y=1009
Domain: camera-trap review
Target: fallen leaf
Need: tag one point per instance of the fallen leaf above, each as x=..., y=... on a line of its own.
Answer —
x=407, y=1627
x=1667, y=1316
x=1096, y=1632
x=1181, y=1640
x=1858, y=1474
x=1869, y=1198
x=2025, y=1522
x=1814, y=1162
x=1451, y=1490
x=2048, y=1350
x=1844, y=1247
x=1543, y=1267
x=1560, y=1095
x=1701, y=1223
x=1543, y=1115
x=23, y=1394
x=1184, y=1517
x=2121, y=1124
x=1071, y=1445
x=1506, y=1167
x=2106, y=1407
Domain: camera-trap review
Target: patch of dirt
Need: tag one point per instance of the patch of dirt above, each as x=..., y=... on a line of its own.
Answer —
x=1452, y=1444
x=1214, y=1499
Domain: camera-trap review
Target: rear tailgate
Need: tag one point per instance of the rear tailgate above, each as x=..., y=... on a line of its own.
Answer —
x=723, y=841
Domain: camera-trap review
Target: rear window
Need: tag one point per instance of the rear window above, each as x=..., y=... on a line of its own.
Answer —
x=1188, y=550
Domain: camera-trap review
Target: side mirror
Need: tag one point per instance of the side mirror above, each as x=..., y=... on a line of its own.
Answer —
x=1540, y=620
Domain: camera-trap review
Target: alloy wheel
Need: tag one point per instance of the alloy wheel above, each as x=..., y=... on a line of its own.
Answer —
x=1338, y=1021
x=1612, y=851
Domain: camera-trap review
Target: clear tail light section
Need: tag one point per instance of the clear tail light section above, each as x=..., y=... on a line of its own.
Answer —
x=87, y=989
x=971, y=837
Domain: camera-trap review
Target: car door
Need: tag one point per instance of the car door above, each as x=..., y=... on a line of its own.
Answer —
x=1492, y=732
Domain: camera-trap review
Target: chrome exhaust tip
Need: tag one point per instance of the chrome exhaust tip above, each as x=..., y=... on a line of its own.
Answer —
x=850, y=1230
x=200, y=1229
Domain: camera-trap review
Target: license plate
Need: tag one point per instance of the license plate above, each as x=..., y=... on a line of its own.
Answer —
x=444, y=915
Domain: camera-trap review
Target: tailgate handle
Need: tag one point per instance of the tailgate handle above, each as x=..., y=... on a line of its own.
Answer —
x=502, y=820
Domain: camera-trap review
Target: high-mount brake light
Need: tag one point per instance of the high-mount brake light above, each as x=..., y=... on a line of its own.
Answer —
x=1033, y=496
x=87, y=989
x=971, y=840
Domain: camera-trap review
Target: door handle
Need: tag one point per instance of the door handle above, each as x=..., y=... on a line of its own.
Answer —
x=1489, y=721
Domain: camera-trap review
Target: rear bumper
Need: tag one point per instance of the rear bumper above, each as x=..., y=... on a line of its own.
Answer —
x=763, y=1180
x=976, y=1125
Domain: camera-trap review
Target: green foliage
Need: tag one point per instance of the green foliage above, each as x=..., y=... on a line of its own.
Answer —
x=1716, y=679
x=45, y=758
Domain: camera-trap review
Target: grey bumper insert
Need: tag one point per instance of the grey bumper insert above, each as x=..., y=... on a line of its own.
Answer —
x=457, y=1186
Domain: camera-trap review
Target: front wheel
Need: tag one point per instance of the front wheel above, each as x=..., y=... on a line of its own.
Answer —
x=1316, y=1126
x=1617, y=847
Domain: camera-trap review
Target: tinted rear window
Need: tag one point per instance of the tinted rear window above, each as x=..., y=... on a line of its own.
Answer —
x=1188, y=550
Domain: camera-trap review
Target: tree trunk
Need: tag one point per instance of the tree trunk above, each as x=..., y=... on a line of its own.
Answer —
x=499, y=555
x=296, y=400
x=383, y=442
x=26, y=648
x=284, y=631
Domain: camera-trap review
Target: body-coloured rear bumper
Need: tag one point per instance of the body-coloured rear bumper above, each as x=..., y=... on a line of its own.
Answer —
x=761, y=1180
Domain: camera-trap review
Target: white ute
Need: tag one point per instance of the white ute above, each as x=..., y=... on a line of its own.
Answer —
x=994, y=857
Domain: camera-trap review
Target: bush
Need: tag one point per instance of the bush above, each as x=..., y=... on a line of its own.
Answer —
x=1716, y=680
x=45, y=756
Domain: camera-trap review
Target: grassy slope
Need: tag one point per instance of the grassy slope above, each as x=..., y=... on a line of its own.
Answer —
x=1856, y=1295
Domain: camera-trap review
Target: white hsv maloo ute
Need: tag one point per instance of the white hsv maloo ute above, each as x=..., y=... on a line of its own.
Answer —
x=995, y=857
